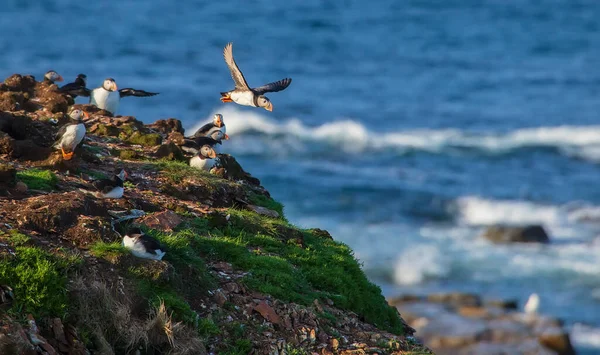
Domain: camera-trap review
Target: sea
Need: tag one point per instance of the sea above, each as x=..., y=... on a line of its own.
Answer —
x=408, y=128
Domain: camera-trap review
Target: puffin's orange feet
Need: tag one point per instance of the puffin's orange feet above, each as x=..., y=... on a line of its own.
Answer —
x=66, y=156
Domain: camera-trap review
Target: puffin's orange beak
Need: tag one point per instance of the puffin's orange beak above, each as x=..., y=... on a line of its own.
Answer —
x=86, y=115
x=226, y=137
x=60, y=78
x=115, y=87
x=212, y=154
x=269, y=107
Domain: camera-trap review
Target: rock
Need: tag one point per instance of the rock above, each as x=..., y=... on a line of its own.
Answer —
x=146, y=140
x=234, y=171
x=455, y=299
x=263, y=211
x=17, y=82
x=558, y=340
x=320, y=233
x=451, y=331
x=167, y=126
x=473, y=311
x=11, y=101
x=508, y=234
x=164, y=221
x=267, y=313
x=504, y=304
x=220, y=297
x=8, y=176
x=176, y=138
x=170, y=151
x=506, y=331
x=21, y=187
x=104, y=130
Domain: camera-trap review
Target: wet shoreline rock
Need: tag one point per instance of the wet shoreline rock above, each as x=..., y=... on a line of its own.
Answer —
x=512, y=234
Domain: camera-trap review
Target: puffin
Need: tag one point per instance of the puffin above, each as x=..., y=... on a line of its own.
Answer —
x=70, y=135
x=217, y=124
x=143, y=245
x=193, y=144
x=107, y=97
x=75, y=88
x=110, y=188
x=533, y=303
x=51, y=76
x=242, y=94
x=205, y=159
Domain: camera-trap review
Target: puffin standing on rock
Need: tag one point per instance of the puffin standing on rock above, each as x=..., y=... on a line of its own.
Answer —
x=205, y=159
x=143, y=245
x=193, y=144
x=217, y=124
x=70, y=135
x=108, y=96
x=110, y=188
x=243, y=94
x=77, y=87
x=51, y=76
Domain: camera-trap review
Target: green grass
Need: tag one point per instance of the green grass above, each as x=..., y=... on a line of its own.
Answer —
x=292, y=270
x=17, y=238
x=207, y=328
x=109, y=251
x=38, y=279
x=264, y=201
x=37, y=179
x=96, y=175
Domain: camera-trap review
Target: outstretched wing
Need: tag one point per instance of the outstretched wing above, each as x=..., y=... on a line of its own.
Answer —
x=273, y=87
x=201, y=132
x=133, y=92
x=236, y=73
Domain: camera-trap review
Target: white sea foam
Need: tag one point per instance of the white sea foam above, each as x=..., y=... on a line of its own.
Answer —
x=585, y=336
x=578, y=141
x=418, y=263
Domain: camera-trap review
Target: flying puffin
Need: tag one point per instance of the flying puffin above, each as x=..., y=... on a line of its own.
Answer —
x=51, y=76
x=217, y=124
x=143, y=245
x=193, y=144
x=107, y=97
x=110, y=188
x=205, y=159
x=70, y=135
x=77, y=87
x=243, y=94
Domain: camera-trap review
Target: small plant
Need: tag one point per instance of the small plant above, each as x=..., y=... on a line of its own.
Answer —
x=207, y=328
x=17, y=238
x=37, y=179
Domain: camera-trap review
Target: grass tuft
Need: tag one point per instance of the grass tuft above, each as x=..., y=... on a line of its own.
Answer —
x=37, y=179
x=17, y=238
x=38, y=279
x=108, y=251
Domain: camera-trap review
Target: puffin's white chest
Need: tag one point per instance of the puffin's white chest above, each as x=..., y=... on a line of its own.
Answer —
x=245, y=98
x=138, y=249
x=202, y=164
x=106, y=100
x=116, y=192
x=73, y=136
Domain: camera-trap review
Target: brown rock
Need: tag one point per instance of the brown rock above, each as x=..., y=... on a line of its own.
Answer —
x=503, y=304
x=558, y=340
x=17, y=82
x=320, y=233
x=8, y=175
x=11, y=101
x=167, y=126
x=508, y=234
x=21, y=187
x=234, y=171
x=335, y=344
x=232, y=287
x=220, y=297
x=263, y=211
x=268, y=313
x=473, y=311
x=176, y=138
x=164, y=221
x=455, y=299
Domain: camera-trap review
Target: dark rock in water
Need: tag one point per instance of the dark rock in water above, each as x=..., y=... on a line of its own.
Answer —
x=509, y=234
x=8, y=176
x=455, y=299
x=557, y=340
x=167, y=126
x=504, y=304
x=169, y=151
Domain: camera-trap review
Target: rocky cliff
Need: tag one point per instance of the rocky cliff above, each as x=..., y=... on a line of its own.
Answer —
x=237, y=278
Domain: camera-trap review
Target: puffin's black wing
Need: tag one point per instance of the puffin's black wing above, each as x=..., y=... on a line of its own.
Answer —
x=200, y=141
x=104, y=185
x=203, y=130
x=133, y=92
x=236, y=73
x=150, y=244
x=273, y=87
x=75, y=90
x=61, y=131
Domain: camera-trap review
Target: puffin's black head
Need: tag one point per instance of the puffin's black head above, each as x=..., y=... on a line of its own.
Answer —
x=122, y=175
x=218, y=120
x=78, y=115
x=52, y=76
x=134, y=230
x=82, y=77
x=264, y=102
x=109, y=84
x=207, y=152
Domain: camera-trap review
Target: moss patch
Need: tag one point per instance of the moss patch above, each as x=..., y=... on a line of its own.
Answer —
x=37, y=179
x=106, y=130
x=264, y=201
x=108, y=251
x=38, y=279
x=146, y=140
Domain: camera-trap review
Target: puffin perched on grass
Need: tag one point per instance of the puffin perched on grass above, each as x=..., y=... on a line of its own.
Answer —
x=108, y=96
x=70, y=135
x=77, y=87
x=110, y=188
x=243, y=94
x=51, y=76
x=205, y=159
x=143, y=245
x=217, y=124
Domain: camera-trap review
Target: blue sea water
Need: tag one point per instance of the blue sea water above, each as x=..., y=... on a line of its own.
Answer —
x=409, y=125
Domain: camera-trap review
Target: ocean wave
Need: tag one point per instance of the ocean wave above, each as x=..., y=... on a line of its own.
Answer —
x=420, y=263
x=585, y=336
x=350, y=135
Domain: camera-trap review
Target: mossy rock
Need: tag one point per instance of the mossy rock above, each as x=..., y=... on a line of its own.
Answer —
x=106, y=130
x=170, y=151
x=128, y=154
x=146, y=140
